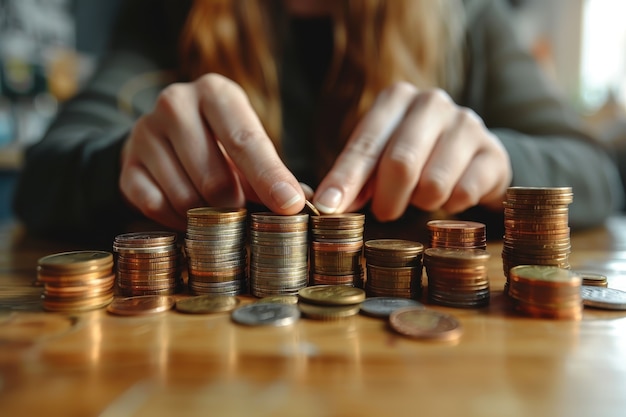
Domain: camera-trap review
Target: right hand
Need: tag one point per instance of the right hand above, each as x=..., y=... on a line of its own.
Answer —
x=203, y=145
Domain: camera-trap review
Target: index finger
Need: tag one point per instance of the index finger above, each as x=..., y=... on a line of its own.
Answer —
x=356, y=163
x=231, y=118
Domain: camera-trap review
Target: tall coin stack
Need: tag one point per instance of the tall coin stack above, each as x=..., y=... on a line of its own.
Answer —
x=148, y=263
x=76, y=281
x=394, y=268
x=457, y=277
x=336, y=249
x=536, y=227
x=457, y=234
x=215, y=245
x=546, y=291
x=279, y=249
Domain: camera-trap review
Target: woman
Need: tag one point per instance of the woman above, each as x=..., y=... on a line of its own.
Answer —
x=395, y=104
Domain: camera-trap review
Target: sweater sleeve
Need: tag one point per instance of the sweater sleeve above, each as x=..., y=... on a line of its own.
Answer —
x=68, y=187
x=545, y=138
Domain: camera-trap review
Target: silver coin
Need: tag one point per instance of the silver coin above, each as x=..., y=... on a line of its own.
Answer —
x=384, y=306
x=266, y=314
x=602, y=297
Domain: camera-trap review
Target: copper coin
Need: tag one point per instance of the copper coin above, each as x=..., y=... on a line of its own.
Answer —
x=205, y=304
x=422, y=323
x=332, y=294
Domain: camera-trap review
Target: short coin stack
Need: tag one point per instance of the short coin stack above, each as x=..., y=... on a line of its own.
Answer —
x=148, y=263
x=457, y=277
x=536, y=227
x=330, y=302
x=76, y=281
x=215, y=245
x=546, y=291
x=394, y=268
x=457, y=234
x=336, y=249
x=278, y=253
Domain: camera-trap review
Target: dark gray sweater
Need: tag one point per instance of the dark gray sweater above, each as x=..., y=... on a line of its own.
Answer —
x=69, y=185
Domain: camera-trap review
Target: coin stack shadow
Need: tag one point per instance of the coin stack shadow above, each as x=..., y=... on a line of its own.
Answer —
x=546, y=292
x=148, y=263
x=76, y=281
x=336, y=249
x=215, y=246
x=394, y=268
x=279, y=249
x=536, y=227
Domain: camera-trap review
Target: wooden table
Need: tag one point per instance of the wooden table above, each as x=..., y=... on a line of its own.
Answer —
x=173, y=364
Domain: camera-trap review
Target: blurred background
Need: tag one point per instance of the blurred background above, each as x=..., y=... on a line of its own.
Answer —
x=48, y=48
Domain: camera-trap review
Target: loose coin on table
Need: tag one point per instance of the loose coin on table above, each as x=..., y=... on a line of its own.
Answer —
x=384, y=306
x=141, y=305
x=422, y=323
x=602, y=297
x=328, y=312
x=332, y=294
x=279, y=299
x=266, y=314
x=207, y=304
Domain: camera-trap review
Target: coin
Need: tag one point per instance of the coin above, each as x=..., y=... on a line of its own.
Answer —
x=266, y=314
x=312, y=207
x=332, y=294
x=328, y=312
x=423, y=323
x=279, y=299
x=384, y=306
x=602, y=297
x=141, y=305
x=205, y=304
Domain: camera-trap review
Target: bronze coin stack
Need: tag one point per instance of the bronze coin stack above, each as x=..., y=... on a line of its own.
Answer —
x=457, y=234
x=76, y=281
x=536, y=227
x=279, y=247
x=457, y=277
x=215, y=245
x=394, y=268
x=546, y=291
x=148, y=263
x=337, y=249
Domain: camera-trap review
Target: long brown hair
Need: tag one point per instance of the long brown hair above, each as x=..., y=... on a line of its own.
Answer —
x=377, y=43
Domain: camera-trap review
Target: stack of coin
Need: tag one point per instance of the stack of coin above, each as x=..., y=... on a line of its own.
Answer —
x=215, y=245
x=279, y=248
x=457, y=277
x=76, y=281
x=536, y=227
x=330, y=302
x=457, y=234
x=148, y=263
x=546, y=291
x=336, y=249
x=394, y=268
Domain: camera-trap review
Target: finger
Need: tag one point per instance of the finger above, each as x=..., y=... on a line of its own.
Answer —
x=180, y=120
x=408, y=151
x=448, y=161
x=357, y=161
x=158, y=158
x=232, y=119
x=141, y=191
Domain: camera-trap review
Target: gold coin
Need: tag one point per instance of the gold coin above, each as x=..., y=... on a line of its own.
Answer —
x=77, y=261
x=332, y=294
x=141, y=305
x=422, y=323
x=206, y=304
x=279, y=299
x=326, y=312
x=312, y=208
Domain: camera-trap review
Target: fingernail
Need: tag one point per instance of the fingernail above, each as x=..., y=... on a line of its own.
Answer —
x=285, y=195
x=329, y=201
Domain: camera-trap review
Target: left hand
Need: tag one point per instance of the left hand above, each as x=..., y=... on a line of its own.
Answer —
x=416, y=148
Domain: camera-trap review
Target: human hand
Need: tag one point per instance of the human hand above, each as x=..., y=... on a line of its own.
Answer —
x=203, y=145
x=416, y=148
